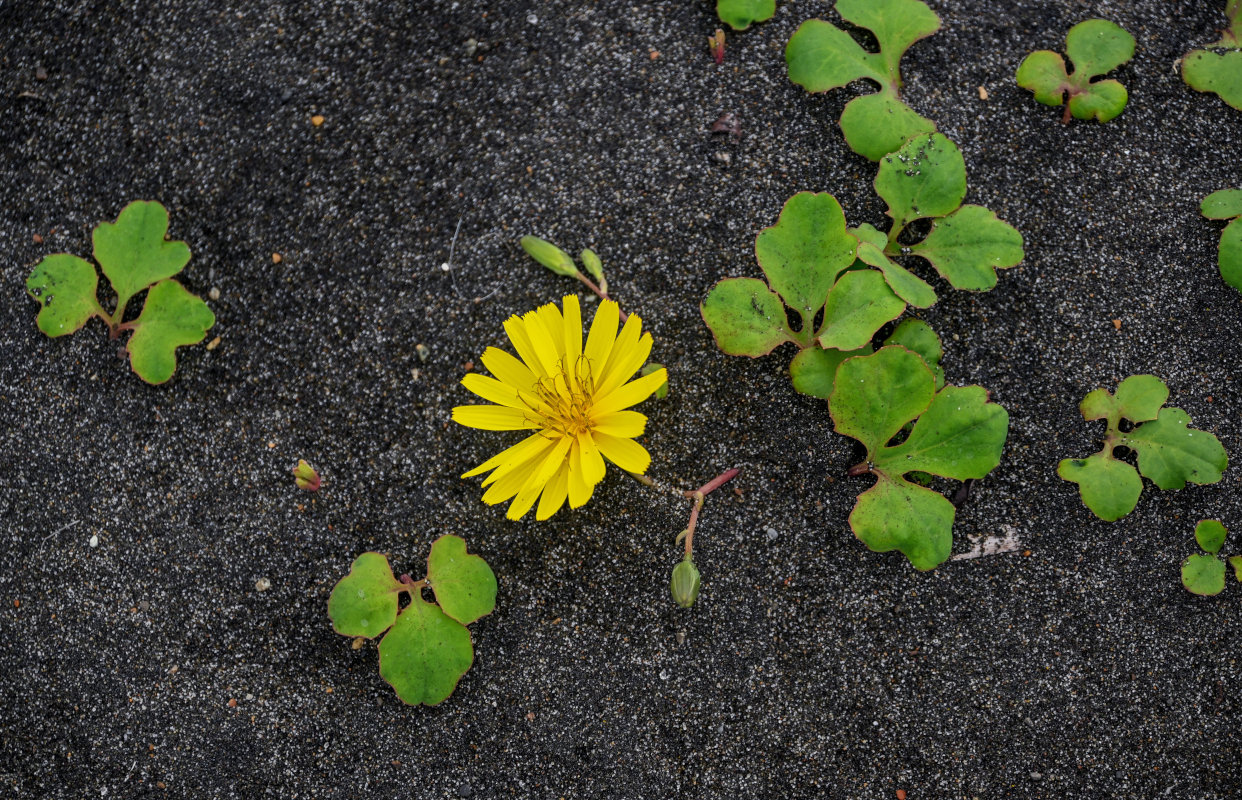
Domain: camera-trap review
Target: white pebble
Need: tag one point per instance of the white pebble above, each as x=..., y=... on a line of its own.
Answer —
x=262, y=584
x=94, y=540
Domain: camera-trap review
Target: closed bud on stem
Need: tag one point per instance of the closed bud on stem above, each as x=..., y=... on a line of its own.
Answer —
x=685, y=583
x=551, y=256
x=594, y=267
x=305, y=476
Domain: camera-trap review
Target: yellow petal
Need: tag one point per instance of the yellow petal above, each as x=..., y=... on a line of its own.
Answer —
x=493, y=390
x=573, y=330
x=523, y=462
x=624, y=363
x=550, y=316
x=593, y=468
x=624, y=424
x=515, y=453
x=579, y=490
x=538, y=480
x=516, y=328
x=508, y=369
x=542, y=343
x=599, y=340
x=494, y=418
x=630, y=394
x=626, y=340
x=554, y=493
x=627, y=454
x=510, y=479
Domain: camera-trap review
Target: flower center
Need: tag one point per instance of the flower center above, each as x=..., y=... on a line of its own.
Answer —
x=566, y=397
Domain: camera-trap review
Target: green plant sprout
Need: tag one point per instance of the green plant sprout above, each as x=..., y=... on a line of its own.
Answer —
x=1169, y=453
x=135, y=256
x=821, y=57
x=1204, y=573
x=427, y=649
x=1227, y=204
x=1218, y=67
x=850, y=279
x=1095, y=47
x=957, y=433
x=305, y=476
x=740, y=14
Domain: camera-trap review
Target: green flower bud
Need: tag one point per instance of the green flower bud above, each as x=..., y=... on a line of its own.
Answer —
x=592, y=263
x=685, y=583
x=551, y=256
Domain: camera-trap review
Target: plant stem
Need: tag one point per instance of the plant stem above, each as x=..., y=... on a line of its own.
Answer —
x=410, y=585
x=602, y=295
x=699, y=495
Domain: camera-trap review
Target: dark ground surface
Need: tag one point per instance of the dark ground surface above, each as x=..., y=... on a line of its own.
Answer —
x=810, y=667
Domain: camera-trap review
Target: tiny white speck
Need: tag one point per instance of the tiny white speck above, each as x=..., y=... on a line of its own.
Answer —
x=533, y=19
x=94, y=541
x=446, y=266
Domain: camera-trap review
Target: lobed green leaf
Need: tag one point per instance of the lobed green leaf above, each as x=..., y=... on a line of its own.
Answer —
x=740, y=14
x=1043, y=72
x=464, y=585
x=1138, y=399
x=969, y=245
x=64, y=286
x=858, y=306
x=364, y=602
x=1094, y=47
x=918, y=337
x=134, y=252
x=1171, y=454
x=814, y=370
x=926, y=177
x=171, y=318
x=1236, y=563
x=425, y=654
x=745, y=317
x=1097, y=46
x=897, y=515
x=1230, y=255
x=1203, y=575
x=1223, y=204
x=877, y=124
x=821, y=56
x=1210, y=534
x=897, y=24
x=877, y=395
x=1110, y=488
x=805, y=251
x=1219, y=73
x=960, y=436
x=1102, y=100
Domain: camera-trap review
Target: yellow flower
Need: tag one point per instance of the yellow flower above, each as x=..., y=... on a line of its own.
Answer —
x=573, y=396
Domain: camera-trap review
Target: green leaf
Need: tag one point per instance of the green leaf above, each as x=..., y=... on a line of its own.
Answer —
x=1236, y=563
x=133, y=251
x=918, y=337
x=1102, y=100
x=969, y=245
x=1203, y=575
x=1216, y=72
x=897, y=515
x=594, y=267
x=661, y=392
x=959, y=434
x=814, y=369
x=869, y=233
x=858, y=306
x=960, y=437
x=1230, y=256
x=364, y=602
x=171, y=318
x=877, y=124
x=1043, y=72
x=925, y=178
x=1138, y=399
x=64, y=287
x=464, y=584
x=745, y=317
x=1224, y=204
x=905, y=284
x=1210, y=535
x=550, y=256
x=897, y=24
x=1097, y=46
x=1094, y=47
x=1171, y=454
x=805, y=251
x=739, y=14
x=1110, y=488
x=425, y=654
x=821, y=56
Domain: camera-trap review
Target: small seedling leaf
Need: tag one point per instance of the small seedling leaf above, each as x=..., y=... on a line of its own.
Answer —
x=1218, y=67
x=1094, y=47
x=1210, y=534
x=550, y=256
x=969, y=245
x=746, y=317
x=1110, y=488
x=925, y=178
x=858, y=306
x=1223, y=204
x=64, y=287
x=898, y=515
x=918, y=337
x=171, y=318
x=1236, y=563
x=1203, y=574
x=1170, y=453
x=897, y=24
x=364, y=602
x=661, y=392
x=133, y=251
x=464, y=585
x=1227, y=204
x=425, y=654
x=805, y=251
x=821, y=56
x=1139, y=398
x=740, y=14
x=877, y=124
x=814, y=369
x=904, y=283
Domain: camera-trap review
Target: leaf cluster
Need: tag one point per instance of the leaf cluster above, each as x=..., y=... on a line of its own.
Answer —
x=953, y=432
x=1169, y=453
x=428, y=648
x=1095, y=47
x=740, y=14
x=843, y=284
x=1204, y=573
x=821, y=56
x=135, y=256
x=1227, y=205
x=1217, y=67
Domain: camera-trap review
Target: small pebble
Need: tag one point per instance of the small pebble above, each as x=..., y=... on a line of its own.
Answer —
x=94, y=540
x=357, y=643
x=276, y=259
x=317, y=120
x=901, y=794
x=472, y=47
x=416, y=373
x=532, y=19
x=983, y=93
x=262, y=584
x=1035, y=776
x=286, y=95
x=464, y=790
x=213, y=344
x=37, y=239
x=681, y=637
x=40, y=74
x=232, y=702
x=724, y=157
x=772, y=534
x=1117, y=324
x=214, y=294
x=423, y=351
x=144, y=605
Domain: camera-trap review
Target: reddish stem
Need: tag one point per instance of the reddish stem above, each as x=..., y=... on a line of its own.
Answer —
x=698, y=496
x=859, y=469
x=602, y=295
